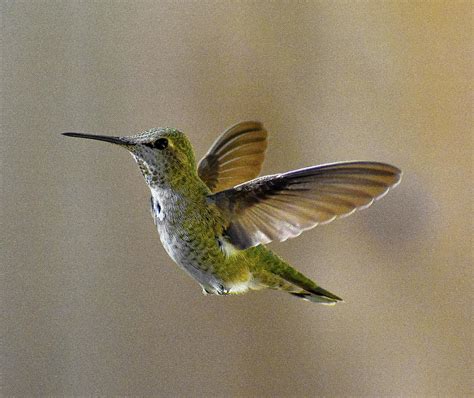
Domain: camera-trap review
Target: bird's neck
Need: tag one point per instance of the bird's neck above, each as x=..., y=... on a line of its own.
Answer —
x=187, y=186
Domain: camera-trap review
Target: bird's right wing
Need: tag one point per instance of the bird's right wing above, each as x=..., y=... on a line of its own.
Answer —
x=235, y=157
x=281, y=206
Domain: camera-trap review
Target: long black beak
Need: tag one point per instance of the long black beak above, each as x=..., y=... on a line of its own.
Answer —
x=113, y=140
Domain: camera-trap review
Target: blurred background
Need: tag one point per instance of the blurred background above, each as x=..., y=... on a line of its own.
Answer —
x=91, y=303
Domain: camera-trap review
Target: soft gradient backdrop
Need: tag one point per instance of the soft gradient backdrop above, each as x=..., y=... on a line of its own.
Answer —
x=91, y=303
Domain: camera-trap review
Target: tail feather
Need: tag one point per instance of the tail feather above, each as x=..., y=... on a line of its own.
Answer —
x=272, y=272
x=318, y=295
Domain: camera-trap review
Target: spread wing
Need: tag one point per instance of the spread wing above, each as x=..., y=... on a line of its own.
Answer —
x=235, y=157
x=281, y=206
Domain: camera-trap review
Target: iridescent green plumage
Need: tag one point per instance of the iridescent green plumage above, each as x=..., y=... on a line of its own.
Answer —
x=214, y=228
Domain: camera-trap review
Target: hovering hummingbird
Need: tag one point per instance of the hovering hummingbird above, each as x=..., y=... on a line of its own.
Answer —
x=214, y=222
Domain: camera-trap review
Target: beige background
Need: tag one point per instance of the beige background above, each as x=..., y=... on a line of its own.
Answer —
x=91, y=304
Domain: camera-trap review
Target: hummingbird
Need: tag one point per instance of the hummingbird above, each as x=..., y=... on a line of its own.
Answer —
x=215, y=217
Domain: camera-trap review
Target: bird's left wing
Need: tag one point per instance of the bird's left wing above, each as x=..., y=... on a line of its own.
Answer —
x=236, y=156
x=281, y=206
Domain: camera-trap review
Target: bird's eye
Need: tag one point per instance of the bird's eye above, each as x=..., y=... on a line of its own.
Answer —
x=160, y=143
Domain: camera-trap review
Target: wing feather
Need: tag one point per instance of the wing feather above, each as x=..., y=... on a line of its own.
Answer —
x=235, y=157
x=282, y=206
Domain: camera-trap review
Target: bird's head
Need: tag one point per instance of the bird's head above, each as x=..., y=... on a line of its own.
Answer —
x=163, y=154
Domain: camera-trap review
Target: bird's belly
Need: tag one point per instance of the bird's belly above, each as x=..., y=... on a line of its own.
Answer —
x=193, y=256
x=203, y=259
